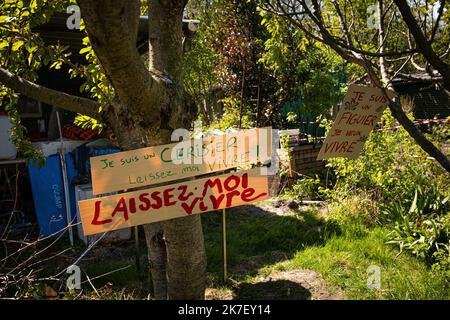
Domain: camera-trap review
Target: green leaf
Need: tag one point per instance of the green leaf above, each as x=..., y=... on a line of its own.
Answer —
x=414, y=204
x=3, y=19
x=56, y=65
x=33, y=5
x=30, y=47
x=17, y=45
x=84, y=50
x=3, y=44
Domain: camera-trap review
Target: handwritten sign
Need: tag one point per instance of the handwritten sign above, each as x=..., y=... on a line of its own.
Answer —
x=360, y=112
x=173, y=201
x=155, y=165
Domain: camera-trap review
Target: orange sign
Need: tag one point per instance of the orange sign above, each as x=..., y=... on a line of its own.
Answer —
x=156, y=165
x=173, y=201
x=360, y=112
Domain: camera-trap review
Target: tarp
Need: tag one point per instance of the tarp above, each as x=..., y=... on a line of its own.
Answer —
x=48, y=194
x=48, y=190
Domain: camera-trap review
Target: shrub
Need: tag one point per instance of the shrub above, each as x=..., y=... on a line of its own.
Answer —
x=307, y=188
x=355, y=209
x=394, y=183
x=423, y=229
x=389, y=168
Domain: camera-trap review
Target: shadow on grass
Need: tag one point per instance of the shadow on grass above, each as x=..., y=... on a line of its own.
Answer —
x=257, y=237
x=271, y=290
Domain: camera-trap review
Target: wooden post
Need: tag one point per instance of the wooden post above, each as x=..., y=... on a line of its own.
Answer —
x=224, y=245
x=136, y=243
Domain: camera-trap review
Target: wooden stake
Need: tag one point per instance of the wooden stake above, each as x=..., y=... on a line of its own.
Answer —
x=224, y=245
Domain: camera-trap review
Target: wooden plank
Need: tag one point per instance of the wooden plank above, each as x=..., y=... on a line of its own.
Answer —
x=156, y=165
x=173, y=201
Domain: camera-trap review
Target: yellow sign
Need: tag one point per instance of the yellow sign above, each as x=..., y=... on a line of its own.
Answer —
x=173, y=201
x=360, y=112
x=155, y=165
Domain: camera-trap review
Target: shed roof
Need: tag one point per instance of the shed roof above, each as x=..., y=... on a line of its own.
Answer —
x=429, y=100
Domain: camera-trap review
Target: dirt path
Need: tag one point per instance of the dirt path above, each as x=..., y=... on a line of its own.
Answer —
x=280, y=285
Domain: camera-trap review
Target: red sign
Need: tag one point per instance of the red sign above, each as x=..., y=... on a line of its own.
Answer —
x=172, y=201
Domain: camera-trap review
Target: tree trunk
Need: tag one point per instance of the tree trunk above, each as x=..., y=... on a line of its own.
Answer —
x=186, y=260
x=148, y=107
x=157, y=259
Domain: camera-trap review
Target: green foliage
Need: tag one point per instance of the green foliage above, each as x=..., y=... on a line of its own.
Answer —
x=96, y=83
x=441, y=135
x=357, y=210
x=23, y=52
x=87, y=122
x=198, y=65
x=423, y=229
x=231, y=115
x=223, y=58
x=303, y=68
x=389, y=168
x=291, y=117
x=307, y=188
x=394, y=183
x=9, y=99
x=238, y=47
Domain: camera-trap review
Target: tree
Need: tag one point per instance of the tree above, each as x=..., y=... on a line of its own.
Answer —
x=368, y=41
x=232, y=37
x=241, y=54
x=302, y=68
x=424, y=44
x=147, y=105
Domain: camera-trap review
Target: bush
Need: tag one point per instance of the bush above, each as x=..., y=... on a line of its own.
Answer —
x=393, y=183
x=423, y=229
x=389, y=168
x=307, y=188
x=357, y=209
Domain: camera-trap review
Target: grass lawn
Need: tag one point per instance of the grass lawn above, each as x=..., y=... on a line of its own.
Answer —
x=266, y=240
x=340, y=253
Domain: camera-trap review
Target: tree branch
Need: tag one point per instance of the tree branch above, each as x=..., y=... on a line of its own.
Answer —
x=394, y=106
x=49, y=96
x=341, y=18
x=422, y=43
x=112, y=27
x=438, y=20
x=165, y=35
x=382, y=39
x=314, y=16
